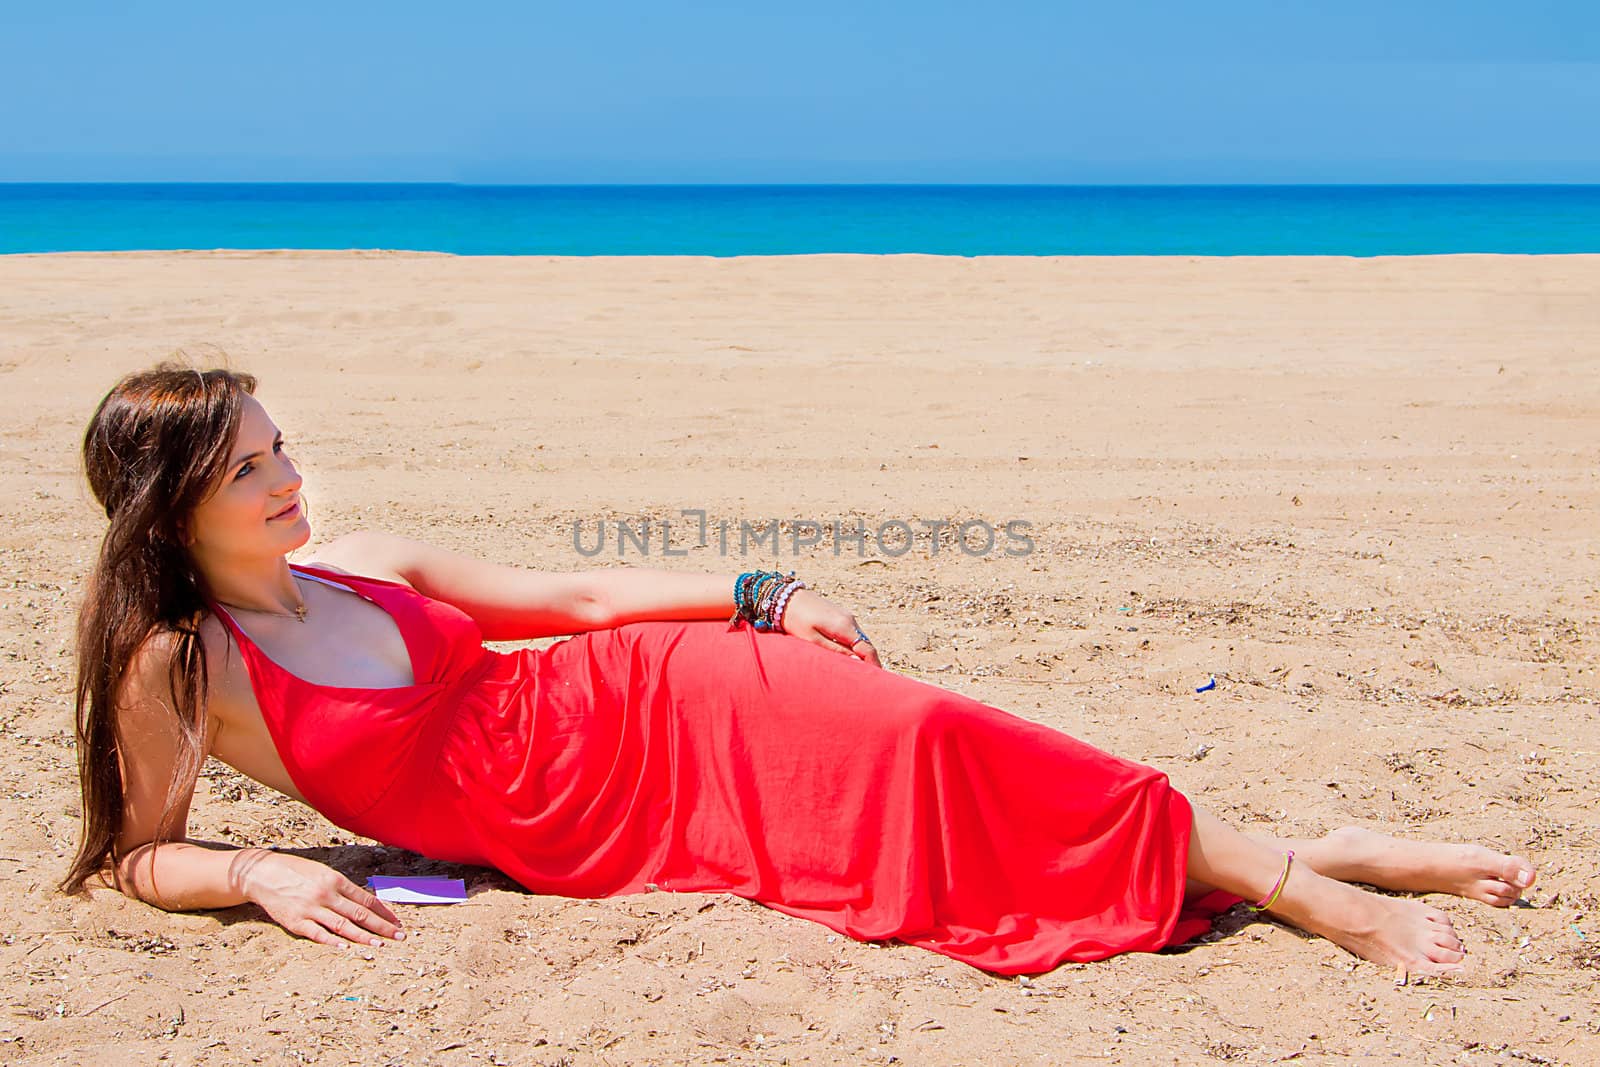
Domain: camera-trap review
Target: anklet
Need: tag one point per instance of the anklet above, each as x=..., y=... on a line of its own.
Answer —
x=1283, y=880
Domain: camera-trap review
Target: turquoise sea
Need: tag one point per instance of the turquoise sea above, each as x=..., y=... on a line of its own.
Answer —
x=730, y=220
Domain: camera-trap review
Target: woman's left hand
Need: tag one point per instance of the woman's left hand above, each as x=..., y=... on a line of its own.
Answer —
x=812, y=617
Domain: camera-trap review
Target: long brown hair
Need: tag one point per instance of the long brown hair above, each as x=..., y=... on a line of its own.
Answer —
x=157, y=444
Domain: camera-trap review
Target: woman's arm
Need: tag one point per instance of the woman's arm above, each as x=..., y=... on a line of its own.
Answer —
x=151, y=744
x=306, y=897
x=187, y=876
x=517, y=604
x=635, y=594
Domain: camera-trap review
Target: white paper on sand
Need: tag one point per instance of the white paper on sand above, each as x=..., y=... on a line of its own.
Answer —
x=418, y=890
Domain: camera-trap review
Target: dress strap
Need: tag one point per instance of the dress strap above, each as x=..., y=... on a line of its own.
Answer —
x=311, y=570
x=319, y=578
x=218, y=609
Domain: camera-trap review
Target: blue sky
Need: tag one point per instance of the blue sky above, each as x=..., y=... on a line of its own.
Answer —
x=874, y=90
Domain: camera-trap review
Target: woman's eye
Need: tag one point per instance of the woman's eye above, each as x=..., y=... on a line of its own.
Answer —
x=277, y=447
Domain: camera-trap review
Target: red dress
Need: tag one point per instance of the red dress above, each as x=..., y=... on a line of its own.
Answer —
x=689, y=756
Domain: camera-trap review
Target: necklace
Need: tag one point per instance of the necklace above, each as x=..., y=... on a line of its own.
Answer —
x=298, y=615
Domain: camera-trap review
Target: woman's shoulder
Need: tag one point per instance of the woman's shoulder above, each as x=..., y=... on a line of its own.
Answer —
x=362, y=554
x=146, y=691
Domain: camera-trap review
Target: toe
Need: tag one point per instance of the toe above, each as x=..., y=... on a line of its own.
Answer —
x=1506, y=896
x=1443, y=969
x=1435, y=960
x=1513, y=870
x=1493, y=891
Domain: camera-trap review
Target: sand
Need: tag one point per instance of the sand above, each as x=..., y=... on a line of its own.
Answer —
x=1361, y=494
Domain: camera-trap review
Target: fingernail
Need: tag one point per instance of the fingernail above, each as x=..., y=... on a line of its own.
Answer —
x=400, y=935
x=377, y=942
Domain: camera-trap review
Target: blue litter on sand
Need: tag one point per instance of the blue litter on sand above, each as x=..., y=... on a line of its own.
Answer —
x=1212, y=684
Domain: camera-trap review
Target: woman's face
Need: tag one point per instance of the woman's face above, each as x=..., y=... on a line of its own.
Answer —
x=255, y=511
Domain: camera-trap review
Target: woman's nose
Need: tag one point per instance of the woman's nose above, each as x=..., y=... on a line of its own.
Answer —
x=288, y=477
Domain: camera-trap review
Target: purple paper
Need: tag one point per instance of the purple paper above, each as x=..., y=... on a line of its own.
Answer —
x=402, y=890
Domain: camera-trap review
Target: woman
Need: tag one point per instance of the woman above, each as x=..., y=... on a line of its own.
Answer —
x=663, y=746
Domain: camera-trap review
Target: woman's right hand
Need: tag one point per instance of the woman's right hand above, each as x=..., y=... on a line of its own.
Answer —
x=315, y=901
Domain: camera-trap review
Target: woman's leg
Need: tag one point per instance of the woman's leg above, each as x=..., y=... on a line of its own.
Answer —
x=1352, y=854
x=1386, y=930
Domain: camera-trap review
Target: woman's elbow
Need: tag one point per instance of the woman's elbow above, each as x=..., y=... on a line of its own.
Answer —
x=134, y=874
x=591, y=610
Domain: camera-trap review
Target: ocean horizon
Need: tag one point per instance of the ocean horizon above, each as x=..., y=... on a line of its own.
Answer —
x=732, y=220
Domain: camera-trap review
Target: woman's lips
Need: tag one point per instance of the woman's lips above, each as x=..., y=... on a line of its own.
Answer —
x=287, y=513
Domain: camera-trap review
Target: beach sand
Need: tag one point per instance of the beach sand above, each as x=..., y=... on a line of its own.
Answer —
x=1360, y=493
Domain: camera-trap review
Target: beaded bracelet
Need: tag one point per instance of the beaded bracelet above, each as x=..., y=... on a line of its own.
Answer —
x=783, y=602
x=760, y=601
x=760, y=597
x=770, y=584
x=767, y=604
x=746, y=591
x=742, y=587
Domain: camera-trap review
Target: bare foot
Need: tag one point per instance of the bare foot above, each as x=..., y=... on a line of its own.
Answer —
x=1393, y=932
x=1470, y=871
